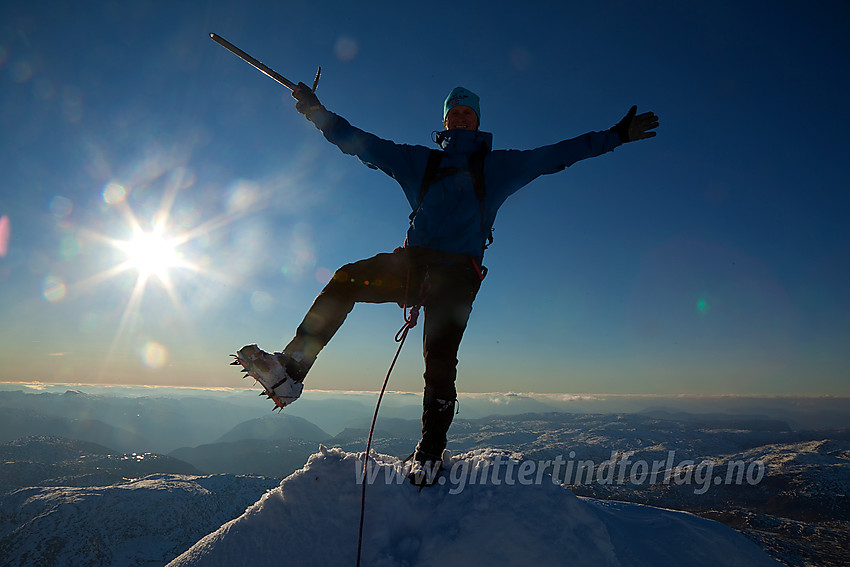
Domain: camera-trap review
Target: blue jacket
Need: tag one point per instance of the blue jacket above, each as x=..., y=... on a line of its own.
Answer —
x=450, y=216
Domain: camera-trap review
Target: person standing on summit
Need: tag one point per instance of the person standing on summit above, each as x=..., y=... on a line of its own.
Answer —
x=454, y=193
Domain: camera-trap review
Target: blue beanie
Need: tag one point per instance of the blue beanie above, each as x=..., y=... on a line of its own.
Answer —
x=461, y=96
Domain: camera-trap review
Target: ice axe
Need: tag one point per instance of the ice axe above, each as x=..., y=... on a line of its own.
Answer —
x=268, y=71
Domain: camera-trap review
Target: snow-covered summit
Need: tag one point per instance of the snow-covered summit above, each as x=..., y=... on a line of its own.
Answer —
x=490, y=509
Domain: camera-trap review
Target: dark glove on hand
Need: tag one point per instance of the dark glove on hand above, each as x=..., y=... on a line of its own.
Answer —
x=307, y=100
x=639, y=127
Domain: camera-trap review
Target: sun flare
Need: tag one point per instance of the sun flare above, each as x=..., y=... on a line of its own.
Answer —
x=166, y=251
x=151, y=253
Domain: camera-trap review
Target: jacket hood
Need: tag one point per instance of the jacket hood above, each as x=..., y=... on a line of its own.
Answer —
x=463, y=141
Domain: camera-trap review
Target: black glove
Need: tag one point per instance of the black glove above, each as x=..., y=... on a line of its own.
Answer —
x=639, y=127
x=307, y=100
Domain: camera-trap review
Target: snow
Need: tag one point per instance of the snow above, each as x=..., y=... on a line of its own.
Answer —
x=475, y=517
x=146, y=521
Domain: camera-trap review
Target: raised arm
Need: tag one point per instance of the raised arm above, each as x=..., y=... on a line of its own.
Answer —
x=405, y=163
x=518, y=168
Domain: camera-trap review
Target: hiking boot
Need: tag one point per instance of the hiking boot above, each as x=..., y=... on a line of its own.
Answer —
x=424, y=473
x=281, y=375
x=426, y=468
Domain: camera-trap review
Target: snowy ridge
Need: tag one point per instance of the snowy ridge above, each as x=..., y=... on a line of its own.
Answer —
x=312, y=519
x=145, y=521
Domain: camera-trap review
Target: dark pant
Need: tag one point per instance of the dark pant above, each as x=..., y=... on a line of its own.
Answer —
x=444, y=284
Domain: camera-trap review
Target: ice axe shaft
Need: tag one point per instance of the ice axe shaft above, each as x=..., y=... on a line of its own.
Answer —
x=264, y=69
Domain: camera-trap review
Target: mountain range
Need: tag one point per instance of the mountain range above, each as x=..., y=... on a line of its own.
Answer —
x=70, y=499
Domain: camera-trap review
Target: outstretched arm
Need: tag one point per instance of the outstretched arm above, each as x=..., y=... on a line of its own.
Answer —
x=518, y=168
x=635, y=126
x=404, y=163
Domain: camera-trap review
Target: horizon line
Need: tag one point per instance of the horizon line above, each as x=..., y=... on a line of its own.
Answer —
x=567, y=396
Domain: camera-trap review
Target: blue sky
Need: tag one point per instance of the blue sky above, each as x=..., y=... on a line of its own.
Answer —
x=711, y=259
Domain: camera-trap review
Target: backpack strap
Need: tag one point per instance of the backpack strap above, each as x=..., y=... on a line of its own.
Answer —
x=476, y=170
x=430, y=176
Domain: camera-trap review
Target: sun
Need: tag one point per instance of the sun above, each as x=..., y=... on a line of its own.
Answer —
x=167, y=246
x=151, y=254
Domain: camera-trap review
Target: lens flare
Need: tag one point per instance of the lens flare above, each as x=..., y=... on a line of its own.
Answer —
x=114, y=193
x=154, y=355
x=53, y=289
x=346, y=48
x=5, y=234
x=60, y=206
x=323, y=275
x=262, y=302
x=69, y=247
x=20, y=71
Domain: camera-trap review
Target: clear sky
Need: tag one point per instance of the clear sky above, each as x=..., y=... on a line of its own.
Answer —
x=710, y=259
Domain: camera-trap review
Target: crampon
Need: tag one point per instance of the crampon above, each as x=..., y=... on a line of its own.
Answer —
x=270, y=372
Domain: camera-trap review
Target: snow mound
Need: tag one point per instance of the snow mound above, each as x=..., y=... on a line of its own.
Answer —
x=474, y=517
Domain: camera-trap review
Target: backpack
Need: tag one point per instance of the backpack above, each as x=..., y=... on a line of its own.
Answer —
x=434, y=173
